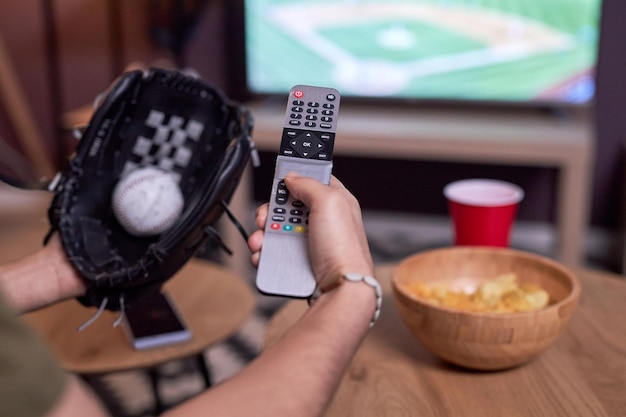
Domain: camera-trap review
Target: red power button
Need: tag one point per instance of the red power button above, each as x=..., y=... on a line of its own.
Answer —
x=298, y=94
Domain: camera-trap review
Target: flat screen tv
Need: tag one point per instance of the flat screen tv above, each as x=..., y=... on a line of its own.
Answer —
x=491, y=51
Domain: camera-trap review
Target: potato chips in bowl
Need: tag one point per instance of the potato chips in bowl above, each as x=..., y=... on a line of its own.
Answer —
x=484, y=308
x=502, y=294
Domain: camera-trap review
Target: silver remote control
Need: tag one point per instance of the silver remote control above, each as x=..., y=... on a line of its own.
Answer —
x=307, y=148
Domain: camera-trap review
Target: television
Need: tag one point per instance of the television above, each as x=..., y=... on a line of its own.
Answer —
x=540, y=52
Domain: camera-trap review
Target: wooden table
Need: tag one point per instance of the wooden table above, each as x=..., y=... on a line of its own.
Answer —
x=582, y=374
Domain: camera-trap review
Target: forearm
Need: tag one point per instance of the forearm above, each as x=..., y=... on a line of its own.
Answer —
x=300, y=373
x=40, y=279
x=78, y=399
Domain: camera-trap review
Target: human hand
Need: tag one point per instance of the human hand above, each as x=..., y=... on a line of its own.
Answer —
x=42, y=278
x=337, y=241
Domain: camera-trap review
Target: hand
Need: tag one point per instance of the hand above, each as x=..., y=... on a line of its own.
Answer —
x=337, y=241
x=40, y=279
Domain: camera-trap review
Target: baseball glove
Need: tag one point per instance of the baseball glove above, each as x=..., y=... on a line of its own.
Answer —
x=158, y=118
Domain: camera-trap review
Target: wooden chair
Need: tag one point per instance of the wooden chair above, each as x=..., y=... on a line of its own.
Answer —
x=19, y=113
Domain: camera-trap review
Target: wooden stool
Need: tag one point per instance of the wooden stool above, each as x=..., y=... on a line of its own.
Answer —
x=212, y=301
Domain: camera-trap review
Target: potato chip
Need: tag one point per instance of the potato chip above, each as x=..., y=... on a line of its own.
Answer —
x=502, y=294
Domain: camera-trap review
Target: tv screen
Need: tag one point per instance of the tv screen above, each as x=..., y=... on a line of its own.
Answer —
x=518, y=51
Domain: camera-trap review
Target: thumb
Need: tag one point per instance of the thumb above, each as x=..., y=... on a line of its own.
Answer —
x=303, y=188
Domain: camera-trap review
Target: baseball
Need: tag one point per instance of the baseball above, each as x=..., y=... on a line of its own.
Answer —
x=147, y=201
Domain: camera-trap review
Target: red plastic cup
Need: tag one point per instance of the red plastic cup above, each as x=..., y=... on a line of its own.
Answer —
x=483, y=211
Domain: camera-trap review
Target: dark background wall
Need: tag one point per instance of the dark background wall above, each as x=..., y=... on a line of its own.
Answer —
x=95, y=39
x=607, y=206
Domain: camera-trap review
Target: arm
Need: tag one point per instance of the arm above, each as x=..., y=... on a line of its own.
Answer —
x=31, y=381
x=77, y=400
x=40, y=279
x=299, y=374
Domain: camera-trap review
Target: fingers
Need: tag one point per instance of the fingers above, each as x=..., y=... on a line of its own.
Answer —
x=335, y=216
x=319, y=197
x=260, y=216
x=255, y=241
x=304, y=188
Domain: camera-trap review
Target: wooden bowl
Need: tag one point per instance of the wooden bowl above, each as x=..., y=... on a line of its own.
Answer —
x=476, y=340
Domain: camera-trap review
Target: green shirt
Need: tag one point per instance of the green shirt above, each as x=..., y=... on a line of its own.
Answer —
x=31, y=382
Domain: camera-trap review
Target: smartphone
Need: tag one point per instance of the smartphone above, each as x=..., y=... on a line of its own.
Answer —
x=155, y=322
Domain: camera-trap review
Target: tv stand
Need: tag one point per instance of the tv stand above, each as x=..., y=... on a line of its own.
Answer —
x=522, y=138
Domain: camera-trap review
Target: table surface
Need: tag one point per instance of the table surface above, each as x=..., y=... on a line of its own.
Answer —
x=582, y=374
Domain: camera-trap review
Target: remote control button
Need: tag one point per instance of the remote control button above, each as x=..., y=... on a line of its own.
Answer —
x=312, y=111
x=296, y=212
x=300, y=229
x=298, y=94
x=331, y=97
x=309, y=124
x=328, y=106
x=295, y=220
x=282, y=194
x=280, y=210
x=288, y=228
x=294, y=122
x=297, y=109
x=310, y=117
x=298, y=103
x=274, y=226
x=313, y=104
x=325, y=125
x=296, y=116
x=307, y=145
x=325, y=136
x=278, y=218
x=327, y=112
x=327, y=119
x=297, y=203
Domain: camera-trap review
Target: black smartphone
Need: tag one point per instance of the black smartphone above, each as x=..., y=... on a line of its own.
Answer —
x=155, y=322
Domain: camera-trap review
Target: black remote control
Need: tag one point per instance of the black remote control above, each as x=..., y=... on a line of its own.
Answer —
x=307, y=148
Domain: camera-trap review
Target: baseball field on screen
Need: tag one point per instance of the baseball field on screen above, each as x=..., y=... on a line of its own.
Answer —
x=512, y=50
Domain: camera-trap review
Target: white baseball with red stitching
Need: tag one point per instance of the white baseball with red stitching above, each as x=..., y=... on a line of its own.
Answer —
x=147, y=201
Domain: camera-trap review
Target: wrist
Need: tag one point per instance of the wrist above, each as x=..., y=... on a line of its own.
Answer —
x=68, y=282
x=366, y=285
x=39, y=279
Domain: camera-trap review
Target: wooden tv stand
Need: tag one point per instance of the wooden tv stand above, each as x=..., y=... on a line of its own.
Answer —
x=522, y=138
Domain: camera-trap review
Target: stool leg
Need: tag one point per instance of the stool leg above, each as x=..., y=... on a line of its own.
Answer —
x=153, y=374
x=204, y=369
x=107, y=395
